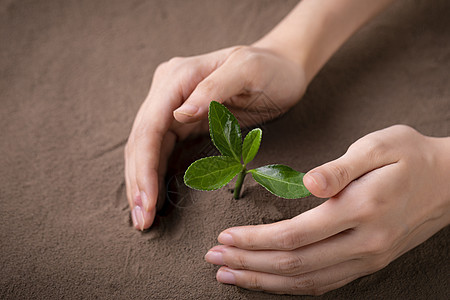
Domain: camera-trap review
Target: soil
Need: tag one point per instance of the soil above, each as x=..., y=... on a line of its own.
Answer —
x=73, y=75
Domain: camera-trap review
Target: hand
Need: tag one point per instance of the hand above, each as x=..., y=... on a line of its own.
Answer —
x=389, y=193
x=177, y=106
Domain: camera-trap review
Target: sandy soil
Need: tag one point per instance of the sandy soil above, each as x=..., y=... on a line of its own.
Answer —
x=73, y=75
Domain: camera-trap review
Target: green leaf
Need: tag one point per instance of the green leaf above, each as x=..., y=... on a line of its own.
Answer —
x=211, y=173
x=282, y=181
x=225, y=131
x=251, y=145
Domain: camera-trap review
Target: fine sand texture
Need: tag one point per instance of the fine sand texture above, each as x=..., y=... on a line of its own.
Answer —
x=72, y=77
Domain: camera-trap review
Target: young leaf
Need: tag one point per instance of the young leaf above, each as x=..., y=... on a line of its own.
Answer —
x=211, y=173
x=225, y=131
x=251, y=145
x=282, y=181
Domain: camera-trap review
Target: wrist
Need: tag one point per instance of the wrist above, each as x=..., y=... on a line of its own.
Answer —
x=295, y=55
x=315, y=29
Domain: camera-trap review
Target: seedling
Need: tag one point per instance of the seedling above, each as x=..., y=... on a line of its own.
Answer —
x=213, y=172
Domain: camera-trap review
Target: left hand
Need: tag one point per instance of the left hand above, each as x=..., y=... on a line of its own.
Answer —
x=388, y=193
x=177, y=106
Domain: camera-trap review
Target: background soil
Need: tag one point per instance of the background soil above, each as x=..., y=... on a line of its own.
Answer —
x=73, y=74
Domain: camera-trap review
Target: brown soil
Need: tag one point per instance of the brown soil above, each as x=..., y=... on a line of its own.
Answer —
x=73, y=75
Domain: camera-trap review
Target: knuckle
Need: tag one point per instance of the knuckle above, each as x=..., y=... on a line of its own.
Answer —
x=378, y=244
x=251, y=68
x=249, y=240
x=379, y=263
x=401, y=128
x=254, y=283
x=161, y=68
x=249, y=61
x=372, y=265
x=365, y=211
x=373, y=249
x=171, y=65
x=241, y=53
x=207, y=87
x=373, y=146
x=242, y=262
x=377, y=145
x=288, y=240
x=288, y=265
x=175, y=61
x=341, y=174
x=251, y=58
x=303, y=284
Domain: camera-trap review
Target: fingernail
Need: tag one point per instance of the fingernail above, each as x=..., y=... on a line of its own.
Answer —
x=226, y=238
x=187, y=109
x=137, y=199
x=214, y=257
x=319, y=180
x=225, y=277
x=134, y=218
x=145, y=202
x=139, y=216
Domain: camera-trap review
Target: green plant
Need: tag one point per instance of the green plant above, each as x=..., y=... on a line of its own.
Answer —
x=211, y=173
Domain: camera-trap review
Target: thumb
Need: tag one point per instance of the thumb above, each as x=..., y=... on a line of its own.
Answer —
x=220, y=85
x=329, y=179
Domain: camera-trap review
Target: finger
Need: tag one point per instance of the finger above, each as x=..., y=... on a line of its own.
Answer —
x=141, y=218
x=150, y=180
x=142, y=163
x=226, y=81
x=166, y=150
x=147, y=148
x=154, y=120
x=128, y=174
x=309, y=227
x=171, y=85
x=365, y=155
x=331, y=251
x=313, y=283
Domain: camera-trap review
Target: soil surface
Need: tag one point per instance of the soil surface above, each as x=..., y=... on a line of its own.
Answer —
x=72, y=77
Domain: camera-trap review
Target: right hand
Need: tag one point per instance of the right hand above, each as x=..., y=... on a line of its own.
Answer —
x=177, y=106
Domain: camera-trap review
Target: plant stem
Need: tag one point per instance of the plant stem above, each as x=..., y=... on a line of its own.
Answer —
x=239, y=181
